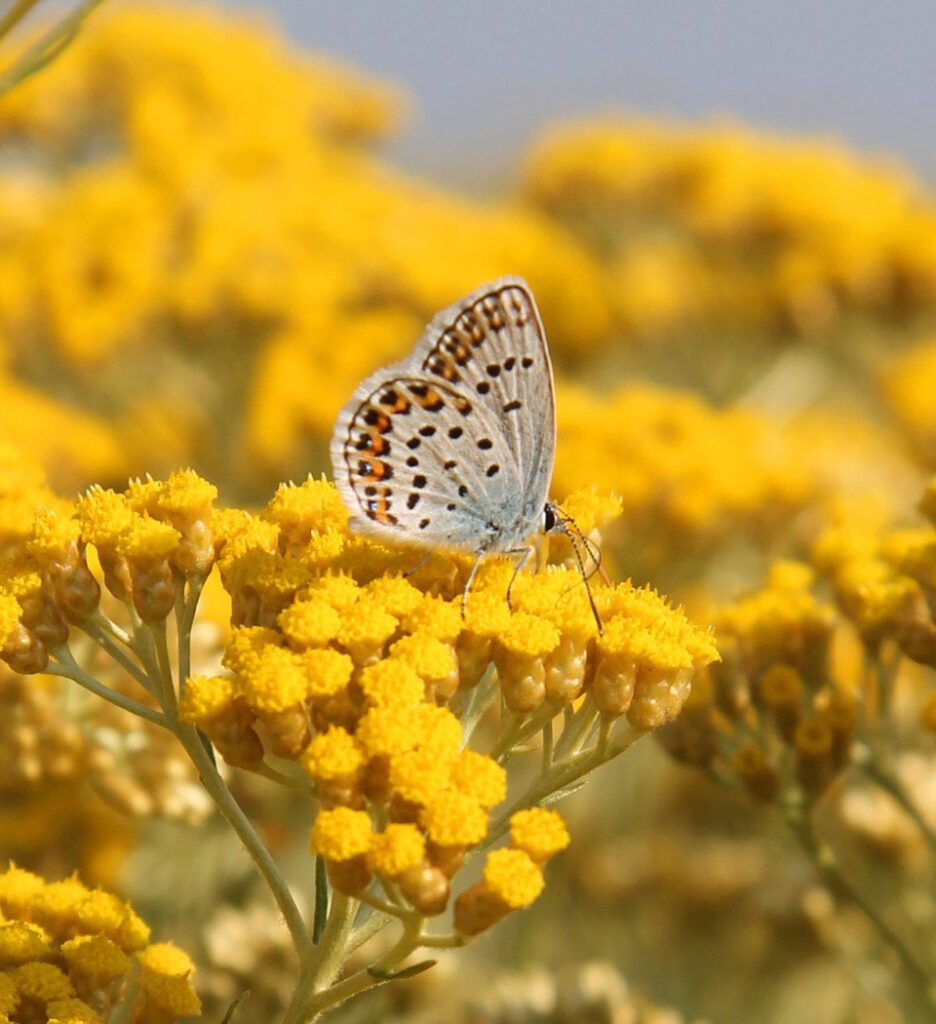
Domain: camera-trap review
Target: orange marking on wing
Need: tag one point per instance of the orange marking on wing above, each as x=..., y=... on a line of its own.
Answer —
x=379, y=470
x=382, y=512
x=430, y=400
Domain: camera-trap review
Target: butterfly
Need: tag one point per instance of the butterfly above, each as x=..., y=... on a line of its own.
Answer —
x=453, y=447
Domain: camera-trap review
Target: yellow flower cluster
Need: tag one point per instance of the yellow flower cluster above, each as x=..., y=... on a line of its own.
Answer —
x=754, y=227
x=146, y=540
x=777, y=710
x=908, y=382
x=884, y=581
x=65, y=955
x=51, y=774
x=684, y=472
x=770, y=714
x=338, y=661
x=342, y=664
x=268, y=236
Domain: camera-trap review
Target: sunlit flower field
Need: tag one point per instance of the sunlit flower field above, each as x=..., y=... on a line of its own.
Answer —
x=256, y=767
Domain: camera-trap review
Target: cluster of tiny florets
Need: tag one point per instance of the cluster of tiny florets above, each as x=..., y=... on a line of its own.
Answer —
x=65, y=956
x=340, y=661
x=348, y=659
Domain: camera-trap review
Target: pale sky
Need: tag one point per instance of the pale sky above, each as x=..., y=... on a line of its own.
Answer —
x=485, y=75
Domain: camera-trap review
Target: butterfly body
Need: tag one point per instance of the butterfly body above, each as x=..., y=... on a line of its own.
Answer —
x=454, y=445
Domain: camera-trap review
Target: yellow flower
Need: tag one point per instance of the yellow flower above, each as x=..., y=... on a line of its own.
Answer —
x=9, y=997
x=310, y=623
x=431, y=659
x=206, y=698
x=165, y=980
x=453, y=819
x=53, y=537
x=41, y=982
x=395, y=594
x=104, y=516
x=94, y=961
x=434, y=617
x=513, y=877
x=327, y=671
x=387, y=729
x=539, y=833
x=313, y=507
x=365, y=628
x=391, y=682
x=21, y=941
x=480, y=778
x=341, y=834
x=338, y=590
x=397, y=849
x=334, y=754
x=276, y=681
x=417, y=776
x=71, y=1011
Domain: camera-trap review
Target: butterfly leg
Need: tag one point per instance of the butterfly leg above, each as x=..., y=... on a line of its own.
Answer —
x=471, y=576
x=525, y=553
x=425, y=558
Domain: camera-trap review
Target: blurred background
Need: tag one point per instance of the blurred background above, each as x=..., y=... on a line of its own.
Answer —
x=214, y=221
x=486, y=78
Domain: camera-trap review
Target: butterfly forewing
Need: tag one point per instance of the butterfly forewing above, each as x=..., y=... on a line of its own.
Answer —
x=492, y=346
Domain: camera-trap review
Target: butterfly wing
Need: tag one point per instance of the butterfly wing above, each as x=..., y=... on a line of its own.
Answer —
x=491, y=346
x=454, y=446
x=420, y=463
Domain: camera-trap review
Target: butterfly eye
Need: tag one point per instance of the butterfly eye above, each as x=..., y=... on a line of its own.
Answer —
x=549, y=519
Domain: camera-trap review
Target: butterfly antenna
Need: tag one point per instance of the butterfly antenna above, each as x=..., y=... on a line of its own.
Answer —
x=591, y=548
x=566, y=521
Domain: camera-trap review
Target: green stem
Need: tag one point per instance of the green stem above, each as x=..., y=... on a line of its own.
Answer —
x=562, y=774
x=363, y=980
x=520, y=730
x=266, y=771
x=238, y=820
x=15, y=14
x=384, y=906
x=319, y=966
x=66, y=666
x=547, y=751
x=576, y=727
x=47, y=47
x=368, y=929
x=482, y=694
x=453, y=941
x=186, y=606
x=827, y=864
x=100, y=637
x=163, y=664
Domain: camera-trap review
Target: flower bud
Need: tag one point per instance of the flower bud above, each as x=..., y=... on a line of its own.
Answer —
x=154, y=593
x=612, y=688
x=780, y=692
x=813, y=744
x=565, y=671
x=288, y=730
x=659, y=695
x=24, y=652
x=760, y=779
x=426, y=887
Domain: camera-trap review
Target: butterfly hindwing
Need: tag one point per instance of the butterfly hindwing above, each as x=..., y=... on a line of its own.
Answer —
x=421, y=463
